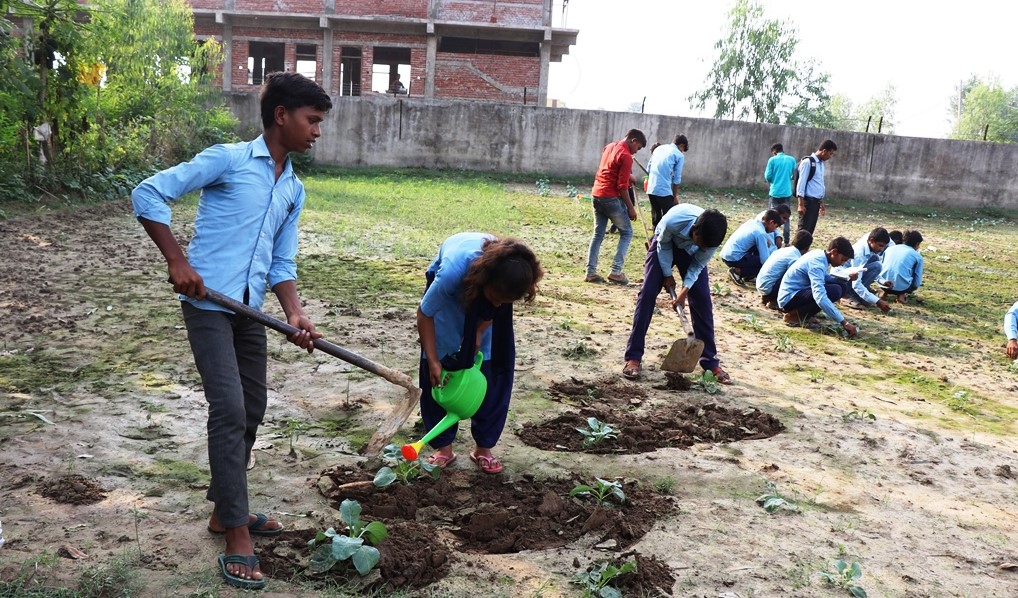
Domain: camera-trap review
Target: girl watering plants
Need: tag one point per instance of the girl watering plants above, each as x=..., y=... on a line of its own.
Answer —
x=466, y=309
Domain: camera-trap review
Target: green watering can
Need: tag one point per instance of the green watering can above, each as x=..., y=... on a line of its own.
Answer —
x=461, y=396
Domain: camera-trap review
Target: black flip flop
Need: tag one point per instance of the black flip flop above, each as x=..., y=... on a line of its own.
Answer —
x=255, y=527
x=250, y=561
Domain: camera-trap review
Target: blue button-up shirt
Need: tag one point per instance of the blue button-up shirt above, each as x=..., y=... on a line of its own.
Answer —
x=775, y=267
x=245, y=231
x=749, y=235
x=674, y=233
x=903, y=266
x=665, y=169
x=815, y=188
x=779, y=175
x=443, y=301
x=809, y=272
x=863, y=256
x=1011, y=322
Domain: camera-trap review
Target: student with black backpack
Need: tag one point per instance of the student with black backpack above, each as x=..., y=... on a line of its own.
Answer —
x=809, y=185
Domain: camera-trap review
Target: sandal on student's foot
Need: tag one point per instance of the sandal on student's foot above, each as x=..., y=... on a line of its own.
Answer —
x=632, y=370
x=487, y=463
x=722, y=376
x=442, y=461
x=248, y=560
x=255, y=527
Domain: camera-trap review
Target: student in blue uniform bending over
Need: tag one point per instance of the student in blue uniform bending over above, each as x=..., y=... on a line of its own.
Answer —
x=785, y=212
x=468, y=307
x=807, y=289
x=686, y=237
x=768, y=281
x=750, y=246
x=902, y=272
x=868, y=251
x=1011, y=331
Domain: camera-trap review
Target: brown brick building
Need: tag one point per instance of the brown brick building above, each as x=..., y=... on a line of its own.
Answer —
x=497, y=50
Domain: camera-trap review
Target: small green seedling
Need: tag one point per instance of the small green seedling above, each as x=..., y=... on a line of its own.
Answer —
x=771, y=501
x=845, y=577
x=859, y=414
x=543, y=187
x=331, y=547
x=783, y=344
x=571, y=191
x=398, y=468
x=597, y=432
x=597, y=581
x=719, y=291
x=579, y=350
x=754, y=322
x=293, y=429
x=601, y=490
x=709, y=383
x=816, y=376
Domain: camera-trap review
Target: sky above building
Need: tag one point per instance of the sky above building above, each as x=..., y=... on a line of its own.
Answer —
x=664, y=49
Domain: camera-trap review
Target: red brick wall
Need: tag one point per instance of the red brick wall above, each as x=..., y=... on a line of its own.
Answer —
x=454, y=77
x=514, y=12
x=370, y=8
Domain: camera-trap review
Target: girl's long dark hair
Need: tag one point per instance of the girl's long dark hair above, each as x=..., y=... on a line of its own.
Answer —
x=506, y=265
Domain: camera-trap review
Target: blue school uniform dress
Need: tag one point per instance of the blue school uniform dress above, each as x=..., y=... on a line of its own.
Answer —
x=748, y=248
x=455, y=334
x=903, y=266
x=808, y=289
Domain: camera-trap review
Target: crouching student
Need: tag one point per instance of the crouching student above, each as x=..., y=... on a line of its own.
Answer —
x=785, y=212
x=868, y=250
x=768, y=281
x=807, y=288
x=1011, y=331
x=750, y=246
x=902, y=271
x=468, y=307
x=686, y=237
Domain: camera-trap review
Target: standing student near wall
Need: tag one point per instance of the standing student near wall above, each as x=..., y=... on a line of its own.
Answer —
x=810, y=187
x=665, y=167
x=779, y=174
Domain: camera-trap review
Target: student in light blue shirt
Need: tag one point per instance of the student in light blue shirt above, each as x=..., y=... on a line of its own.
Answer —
x=902, y=272
x=245, y=242
x=806, y=288
x=468, y=308
x=686, y=238
x=868, y=250
x=779, y=174
x=750, y=246
x=785, y=212
x=810, y=188
x=768, y=281
x=665, y=166
x=1011, y=331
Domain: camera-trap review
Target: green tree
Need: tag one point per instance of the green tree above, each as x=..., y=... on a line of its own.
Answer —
x=756, y=75
x=987, y=108
x=876, y=113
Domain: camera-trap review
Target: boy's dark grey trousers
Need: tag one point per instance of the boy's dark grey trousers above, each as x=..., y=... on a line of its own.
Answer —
x=229, y=351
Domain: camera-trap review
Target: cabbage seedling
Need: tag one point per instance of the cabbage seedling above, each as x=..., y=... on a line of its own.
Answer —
x=597, y=581
x=596, y=432
x=399, y=468
x=331, y=547
x=602, y=491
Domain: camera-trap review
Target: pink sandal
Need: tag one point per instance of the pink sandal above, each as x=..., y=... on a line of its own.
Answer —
x=487, y=463
x=441, y=461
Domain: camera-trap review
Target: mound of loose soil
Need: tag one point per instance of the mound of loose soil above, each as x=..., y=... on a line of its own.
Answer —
x=72, y=490
x=607, y=389
x=498, y=514
x=411, y=557
x=651, y=578
x=664, y=427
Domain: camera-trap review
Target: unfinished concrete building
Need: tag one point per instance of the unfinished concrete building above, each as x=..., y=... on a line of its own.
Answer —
x=495, y=50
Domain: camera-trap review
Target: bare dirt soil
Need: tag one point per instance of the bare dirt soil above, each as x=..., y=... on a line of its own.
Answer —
x=102, y=445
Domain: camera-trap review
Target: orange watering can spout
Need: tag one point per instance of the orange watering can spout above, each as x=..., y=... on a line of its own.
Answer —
x=460, y=396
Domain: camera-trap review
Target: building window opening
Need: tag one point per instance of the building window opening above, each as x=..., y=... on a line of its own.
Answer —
x=307, y=60
x=263, y=58
x=498, y=47
x=391, y=73
x=350, y=72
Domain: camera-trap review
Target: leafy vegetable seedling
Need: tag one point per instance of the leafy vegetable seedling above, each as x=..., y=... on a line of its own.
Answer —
x=709, y=383
x=597, y=581
x=399, y=468
x=602, y=491
x=772, y=501
x=597, y=432
x=331, y=547
x=845, y=577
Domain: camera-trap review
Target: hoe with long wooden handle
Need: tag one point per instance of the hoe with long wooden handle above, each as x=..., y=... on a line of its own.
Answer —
x=399, y=414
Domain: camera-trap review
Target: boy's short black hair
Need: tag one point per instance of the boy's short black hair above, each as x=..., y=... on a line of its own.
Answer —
x=777, y=147
x=828, y=145
x=772, y=216
x=679, y=140
x=654, y=147
x=842, y=246
x=879, y=235
x=783, y=210
x=637, y=135
x=913, y=238
x=896, y=236
x=712, y=226
x=291, y=91
x=802, y=240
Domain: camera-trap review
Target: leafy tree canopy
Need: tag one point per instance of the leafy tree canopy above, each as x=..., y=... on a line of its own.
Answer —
x=987, y=108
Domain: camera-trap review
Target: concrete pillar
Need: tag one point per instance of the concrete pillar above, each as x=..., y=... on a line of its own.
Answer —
x=227, y=57
x=327, y=61
x=429, y=63
x=542, y=86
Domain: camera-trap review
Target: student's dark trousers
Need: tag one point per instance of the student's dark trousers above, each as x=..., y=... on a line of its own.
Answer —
x=659, y=206
x=806, y=306
x=700, y=307
x=229, y=351
x=749, y=265
x=808, y=221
